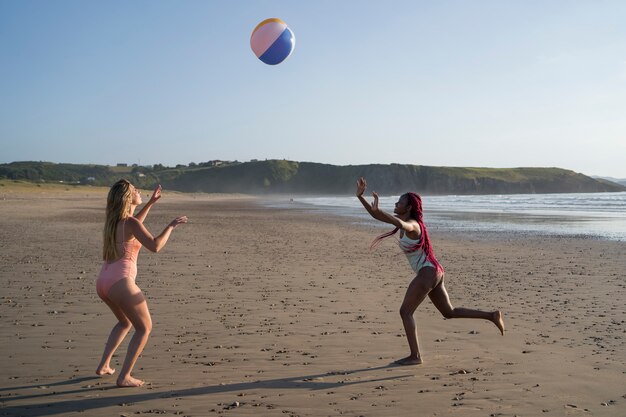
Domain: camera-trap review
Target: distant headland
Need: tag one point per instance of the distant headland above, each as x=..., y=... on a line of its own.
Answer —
x=291, y=177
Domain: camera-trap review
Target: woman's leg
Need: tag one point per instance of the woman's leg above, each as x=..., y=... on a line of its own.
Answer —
x=119, y=332
x=439, y=297
x=129, y=298
x=418, y=289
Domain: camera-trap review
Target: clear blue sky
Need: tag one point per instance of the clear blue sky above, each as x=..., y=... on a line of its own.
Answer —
x=447, y=83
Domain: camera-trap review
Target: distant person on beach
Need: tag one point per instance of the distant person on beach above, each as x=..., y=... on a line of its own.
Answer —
x=124, y=235
x=429, y=280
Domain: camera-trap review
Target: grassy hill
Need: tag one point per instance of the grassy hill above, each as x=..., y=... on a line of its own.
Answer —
x=74, y=174
x=280, y=176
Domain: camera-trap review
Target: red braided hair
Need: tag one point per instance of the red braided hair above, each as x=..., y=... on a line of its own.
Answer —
x=416, y=214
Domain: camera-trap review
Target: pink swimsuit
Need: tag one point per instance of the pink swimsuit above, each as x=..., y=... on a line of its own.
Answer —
x=124, y=267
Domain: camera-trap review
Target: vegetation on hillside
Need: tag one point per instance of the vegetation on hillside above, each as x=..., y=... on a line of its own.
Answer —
x=281, y=176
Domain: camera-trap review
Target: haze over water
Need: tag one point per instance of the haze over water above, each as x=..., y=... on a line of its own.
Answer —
x=591, y=215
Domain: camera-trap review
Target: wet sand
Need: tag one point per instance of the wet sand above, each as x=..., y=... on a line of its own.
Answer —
x=278, y=312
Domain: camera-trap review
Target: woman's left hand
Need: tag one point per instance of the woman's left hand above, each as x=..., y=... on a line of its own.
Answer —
x=375, y=202
x=156, y=194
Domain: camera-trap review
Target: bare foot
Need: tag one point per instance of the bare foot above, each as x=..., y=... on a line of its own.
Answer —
x=409, y=360
x=497, y=320
x=105, y=370
x=129, y=381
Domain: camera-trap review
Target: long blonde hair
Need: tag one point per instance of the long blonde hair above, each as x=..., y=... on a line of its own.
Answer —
x=118, y=208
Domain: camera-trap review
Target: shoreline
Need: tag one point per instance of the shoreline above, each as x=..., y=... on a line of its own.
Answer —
x=284, y=312
x=446, y=222
x=478, y=223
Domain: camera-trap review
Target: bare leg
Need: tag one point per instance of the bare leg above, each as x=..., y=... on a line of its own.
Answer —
x=439, y=297
x=418, y=289
x=119, y=332
x=129, y=298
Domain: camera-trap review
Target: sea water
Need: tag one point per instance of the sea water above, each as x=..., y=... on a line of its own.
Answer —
x=588, y=215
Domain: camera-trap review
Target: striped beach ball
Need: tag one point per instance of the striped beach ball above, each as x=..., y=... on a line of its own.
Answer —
x=272, y=41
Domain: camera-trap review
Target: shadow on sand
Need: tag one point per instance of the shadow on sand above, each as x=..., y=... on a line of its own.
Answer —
x=54, y=384
x=307, y=382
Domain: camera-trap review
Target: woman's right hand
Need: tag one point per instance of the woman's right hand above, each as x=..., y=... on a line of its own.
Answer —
x=178, y=220
x=361, y=185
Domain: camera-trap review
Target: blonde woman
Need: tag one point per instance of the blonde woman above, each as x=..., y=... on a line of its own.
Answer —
x=124, y=235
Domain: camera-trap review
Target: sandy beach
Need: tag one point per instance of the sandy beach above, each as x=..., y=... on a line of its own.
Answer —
x=278, y=312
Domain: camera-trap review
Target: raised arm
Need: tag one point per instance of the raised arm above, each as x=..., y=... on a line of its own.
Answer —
x=141, y=216
x=378, y=214
x=153, y=244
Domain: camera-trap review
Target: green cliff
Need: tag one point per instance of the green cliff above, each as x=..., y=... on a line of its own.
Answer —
x=279, y=176
x=290, y=177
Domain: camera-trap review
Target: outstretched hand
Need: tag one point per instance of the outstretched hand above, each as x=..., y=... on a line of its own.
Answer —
x=156, y=194
x=361, y=185
x=179, y=220
x=375, y=202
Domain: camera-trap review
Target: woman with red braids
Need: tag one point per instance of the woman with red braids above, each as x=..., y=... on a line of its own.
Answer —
x=429, y=280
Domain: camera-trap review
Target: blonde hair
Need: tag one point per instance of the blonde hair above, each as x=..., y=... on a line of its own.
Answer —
x=118, y=209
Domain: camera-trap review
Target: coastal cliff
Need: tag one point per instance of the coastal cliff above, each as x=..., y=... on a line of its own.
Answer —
x=281, y=176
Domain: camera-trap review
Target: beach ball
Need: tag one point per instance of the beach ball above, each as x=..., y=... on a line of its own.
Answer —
x=272, y=41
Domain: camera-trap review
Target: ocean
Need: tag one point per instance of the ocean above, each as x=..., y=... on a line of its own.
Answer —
x=585, y=215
